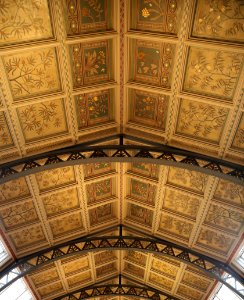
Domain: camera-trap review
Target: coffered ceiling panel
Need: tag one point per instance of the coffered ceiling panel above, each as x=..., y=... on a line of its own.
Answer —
x=5, y=136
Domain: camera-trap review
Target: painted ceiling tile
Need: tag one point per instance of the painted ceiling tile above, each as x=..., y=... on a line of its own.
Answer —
x=5, y=136
x=215, y=240
x=148, y=109
x=156, y=15
x=230, y=193
x=75, y=266
x=144, y=169
x=212, y=72
x=79, y=279
x=201, y=121
x=139, y=214
x=189, y=293
x=101, y=214
x=181, y=203
x=20, y=214
x=51, y=289
x=91, y=63
x=61, y=202
x=225, y=218
x=153, y=63
x=219, y=20
x=51, y=179
x=175, y=226
x=136, y=257
x=187, y=179
x=33, y=235
x=195, y=281
x=103, y=257
x=99, y=190
x=164, y=267
x=143, y=192
x=134, y=270
x=14, y=190
x=238, y=142
x=161, y=281
x=44, y=277
x=106, y=270
x=94, y=108
x=96, y=169
x=24, y=21
x=41, y=120
x=67, y=224
x=32, y=73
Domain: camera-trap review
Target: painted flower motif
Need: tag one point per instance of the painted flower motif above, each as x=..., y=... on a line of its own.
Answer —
x=85, y=12
x=145, y=12
x=141, y=55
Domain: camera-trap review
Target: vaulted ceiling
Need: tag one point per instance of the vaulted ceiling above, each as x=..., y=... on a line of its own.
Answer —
x=165, y=70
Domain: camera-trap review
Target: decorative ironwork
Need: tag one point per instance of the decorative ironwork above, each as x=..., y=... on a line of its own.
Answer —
x=151, y=153
x=146, y=243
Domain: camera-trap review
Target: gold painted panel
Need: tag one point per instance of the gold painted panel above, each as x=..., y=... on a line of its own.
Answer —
x=96, y=169
x=195, y=281
x=143, y=192
x=79, y=279
x=24, y=21
x=101, y=214
x=99, y=190
x=238, y=141
x=14, y=190
x=5, y=136
x=187, y=179
x=175, y=226
x=230, y=193
x=61, y=202
x=139, y=214
x=51, y=289
x=32, y=73
x=67, y=224
x=156, y=16
x=201, y=121
x=212, y=72
x=41, y=120
x=33, y=235
x=134, y=270
x=225, y=218
x=51, y=179
x=18, y=215
x=44, y=277
x=144, y=169
x=215, y=240
x=219, y=20
x=148, y=109
x=161, y=281
x=164, y=267
x=106, y=270
x=75, y=265
x=181, y=203
x=103, y=257
x=136, y=257
x=189, y=293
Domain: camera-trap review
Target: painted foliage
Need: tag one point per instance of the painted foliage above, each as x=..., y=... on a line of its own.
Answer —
x=99, y=190
x=164, y=267
x=148, y=170
x=79, y=279
x=14, y=190
x=32, y=73
x=106, y=270
x=238, y=141
x=95, y=169
x=139, y=214
x=136, y=257
x=75, y=265
x=212, y=72
x=161, y=281
x=44, y=277
x=155, y=15
x=24, y=21
x=189, y=293
x=143, y=192
x=195, y=280
x=103, y=257
x=51, y=289
x=201, y=121
x=100, y=214
x=5, y=136
x=220, y=20
x=134, y=270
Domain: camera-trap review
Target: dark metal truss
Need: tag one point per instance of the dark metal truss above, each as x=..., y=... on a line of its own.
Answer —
x=146, y=151
x=145, y=243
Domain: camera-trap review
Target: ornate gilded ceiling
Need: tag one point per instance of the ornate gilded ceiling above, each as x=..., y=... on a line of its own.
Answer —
x=166, y=70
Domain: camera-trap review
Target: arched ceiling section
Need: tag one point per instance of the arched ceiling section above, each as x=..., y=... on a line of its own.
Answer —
x=167, y=71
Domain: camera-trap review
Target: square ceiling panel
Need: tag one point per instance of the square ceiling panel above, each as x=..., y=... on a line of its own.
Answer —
x=5, y=136
x=45, y=276
x=79, y=279
x=102, y=214
x=24, y=21
x=136, y=257
x=32, y=73
x=134, y=270
x=145, y=170
x=88, y=16
x=99, y=191
x=219, y=20
x=42, y=120
x=92, y=63
x=155, y=16
x=161, y=281
x=165, y=267
x=138, y=214
x=75, y=264
x=213, y=73
x=189, y=293
x=95, y=108
x=51, y=289
x=151, y=62
x=201, y=121
x=96, y=169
